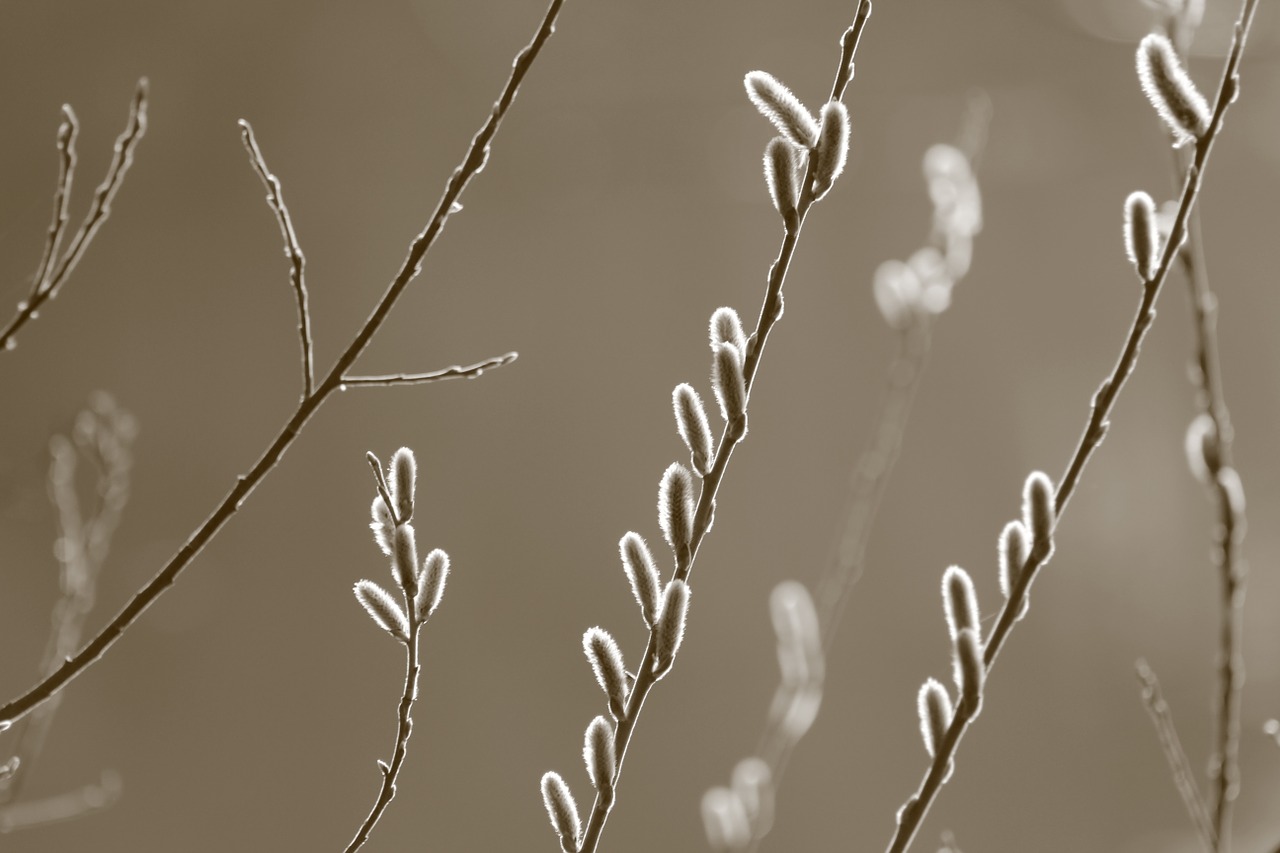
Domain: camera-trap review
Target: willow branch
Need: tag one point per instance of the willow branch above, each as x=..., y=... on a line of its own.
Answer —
x=912, y=813
x=477, y=155
x=51, y=273
x=770, y=312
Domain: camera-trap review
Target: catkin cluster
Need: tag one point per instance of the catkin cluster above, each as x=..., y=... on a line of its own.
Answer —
x=421, y=587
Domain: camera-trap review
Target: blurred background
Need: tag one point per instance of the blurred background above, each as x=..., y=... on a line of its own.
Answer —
x=623, y=203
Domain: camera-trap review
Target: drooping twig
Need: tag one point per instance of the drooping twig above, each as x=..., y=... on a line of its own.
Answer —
x=912, y=813
x=475, y=158
x=53, y=272
x=1183, y=778
x=297, y=261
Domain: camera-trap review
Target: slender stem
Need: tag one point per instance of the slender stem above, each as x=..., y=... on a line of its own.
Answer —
x=1179, y=766
x=47, y=282
x=769, y=314
x=912, y=814
x=404, y=728
x=1228, y=533
x=469, y=371
x=297, y=261
x=245, y=484
x=67, y=133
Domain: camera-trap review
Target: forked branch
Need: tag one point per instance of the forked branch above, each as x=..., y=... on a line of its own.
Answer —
x=475, y=158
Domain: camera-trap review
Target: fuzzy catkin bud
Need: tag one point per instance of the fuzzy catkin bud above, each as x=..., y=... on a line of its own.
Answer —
x=403, y=472
x=606, y=661
x=1038, y=512
x=832, y=149
x=1170, y=90
x=675, y=506
x=1013, y=556
x=781, y=163
x=934, y=706
x=725, y=820
x=1233, y=488
x=404, y=558
x=691, y=422
x=382, y=525
x=778, y=105
x=970, y=672
x=562, y=810
x=1202, y=448
x=728, y=382
x=431, y=581
x=752, y=782
x=1141, y=237
x=383, y=608
x=726, y=328
x=637, y=562
x=670, y=627
x=960, y=601
x=597, y=752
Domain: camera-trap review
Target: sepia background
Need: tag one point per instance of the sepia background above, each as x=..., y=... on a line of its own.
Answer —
x=623, y=203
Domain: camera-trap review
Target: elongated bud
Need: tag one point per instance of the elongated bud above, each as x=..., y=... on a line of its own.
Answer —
x=934, y=706
x=833, y=147
x=726, y=328
x=897, y=291
x=960, y=601
x=1166, y=84
x=431, y=581
x=382, y=525
x=403, y=472
x=778, y=105
x=1013, y=556
x=1038, y=512
x=725, y=820
x=404, y=558
x=1141, y=237
x=562, y=810
x=606, y=661
x=670, y=627
x=597, y=752
x=691, y=422
x=752, y=781
x=675, y=506
x=1202, y=448
x=781, y=164
x=383, y=608
x=971, y=674
x=1233, y=488
x=729, y=383
x=638, y=563
x=795, y=622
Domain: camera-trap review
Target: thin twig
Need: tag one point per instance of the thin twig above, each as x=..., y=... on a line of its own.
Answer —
x=51, y=275
x=67, y=133
x=297, y=261
x=469, y=371
x=912, y=813
x=770, y=311
x=477, y=155
x=1228, y=530
x=1183, y=778
x=404, y=728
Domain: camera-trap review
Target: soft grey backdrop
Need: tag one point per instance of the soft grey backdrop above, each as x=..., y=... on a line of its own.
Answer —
x=623, y=203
